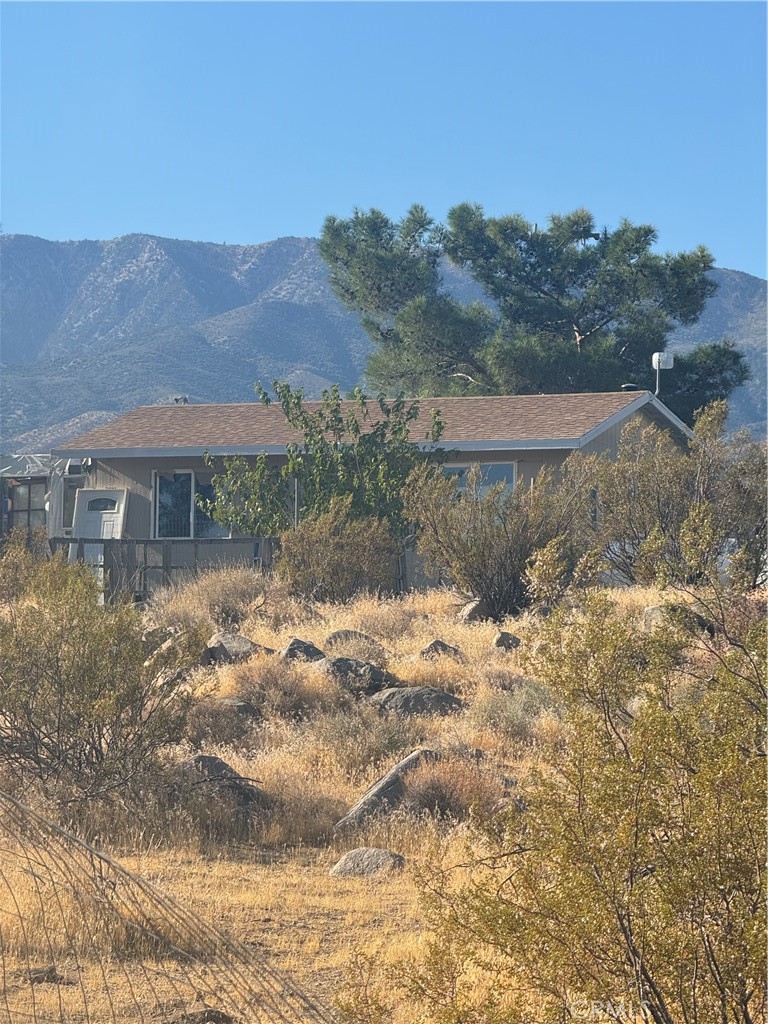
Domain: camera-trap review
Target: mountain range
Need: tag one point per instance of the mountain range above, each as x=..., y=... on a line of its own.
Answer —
x=89, y=329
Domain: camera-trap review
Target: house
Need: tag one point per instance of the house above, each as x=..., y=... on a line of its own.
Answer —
x=137, y=478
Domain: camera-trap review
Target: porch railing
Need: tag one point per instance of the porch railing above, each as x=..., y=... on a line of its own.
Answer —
x=139, y=566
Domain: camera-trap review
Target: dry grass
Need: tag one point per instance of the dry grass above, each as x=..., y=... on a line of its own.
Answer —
x=307, y=922
x=221, y=598
x=313, y=749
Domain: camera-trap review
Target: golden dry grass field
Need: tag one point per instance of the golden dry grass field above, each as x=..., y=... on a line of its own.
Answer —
x=313, y=750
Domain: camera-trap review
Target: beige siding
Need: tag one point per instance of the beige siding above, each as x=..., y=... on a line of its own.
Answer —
x=608, y=442
x=136, y=475
x=529, y=463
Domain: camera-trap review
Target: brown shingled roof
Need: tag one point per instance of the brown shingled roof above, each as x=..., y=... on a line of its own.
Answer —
x=530, y=418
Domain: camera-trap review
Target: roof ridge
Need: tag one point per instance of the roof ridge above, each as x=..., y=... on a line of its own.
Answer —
x=374, y=398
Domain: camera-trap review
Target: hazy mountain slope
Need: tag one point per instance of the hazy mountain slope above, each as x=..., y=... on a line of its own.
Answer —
x=39, y=280
x=91, y=328
x=737, y=311
x=99, y=327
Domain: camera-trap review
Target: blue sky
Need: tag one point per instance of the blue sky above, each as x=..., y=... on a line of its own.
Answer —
x=242, y=122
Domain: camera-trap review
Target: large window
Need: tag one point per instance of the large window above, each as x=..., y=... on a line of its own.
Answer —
x=491, y=473
x=177, y=510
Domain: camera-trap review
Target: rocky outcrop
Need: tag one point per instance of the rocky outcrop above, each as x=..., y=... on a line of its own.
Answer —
x=349, y=636
x=440, y=649
x=659, y=615
x=226, y=648
x=475, y=611
x=215, y=774
x=358, y=677
x=504, y=641
x=388, y=792
x=301, y=650
x=416, y=700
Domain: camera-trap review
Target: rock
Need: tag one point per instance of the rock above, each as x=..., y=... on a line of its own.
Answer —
x=227, y=648
x=349, y=636
x=505, y=641
x=214, y=773
x=237, y=706
x=153, y=638
x=47, y=976
x=388, y=792
x=661, y=614
x=205, y=1016
x=366, y=862
x=440, y=649
x=416, y=700
x=301, y=650
x=359, y=677
x=475, y=611
x=543, y=611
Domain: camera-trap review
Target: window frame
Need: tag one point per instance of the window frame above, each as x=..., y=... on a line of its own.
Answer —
x=21, y=517
x=483, y=489
x=156, y=474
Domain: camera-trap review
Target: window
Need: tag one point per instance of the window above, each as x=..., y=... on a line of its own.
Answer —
x=26, y=503
x=177, y=511
x=102, y=505
x=491, y=473
x=205, y=526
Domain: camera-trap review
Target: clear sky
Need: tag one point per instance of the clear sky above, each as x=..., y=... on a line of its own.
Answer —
x=242, y=122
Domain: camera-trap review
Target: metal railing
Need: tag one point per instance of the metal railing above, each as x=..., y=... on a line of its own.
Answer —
x=139, y=566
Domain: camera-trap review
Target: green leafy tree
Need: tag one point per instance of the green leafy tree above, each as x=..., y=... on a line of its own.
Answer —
x=349, y=450
x=571, y=308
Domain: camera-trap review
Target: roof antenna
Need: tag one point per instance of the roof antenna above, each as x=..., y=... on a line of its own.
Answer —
x=181, y=399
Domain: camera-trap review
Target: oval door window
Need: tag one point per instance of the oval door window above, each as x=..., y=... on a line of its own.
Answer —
x=102, y=505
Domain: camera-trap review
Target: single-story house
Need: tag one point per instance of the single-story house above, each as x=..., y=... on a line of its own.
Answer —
x=137, y=477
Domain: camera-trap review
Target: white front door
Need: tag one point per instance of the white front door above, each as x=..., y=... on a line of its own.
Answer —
x=99, y=512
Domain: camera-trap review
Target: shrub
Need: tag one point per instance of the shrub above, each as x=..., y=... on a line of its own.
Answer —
x=333, y=557
x=656, y=491
x=386, y=620
x=78, y=705
x=283, y=689
x=220, y=598
x=634, y=876
x=511, y=714
x=453, y=790
x=213, y=722
x=484, y=541
x=357, y=743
